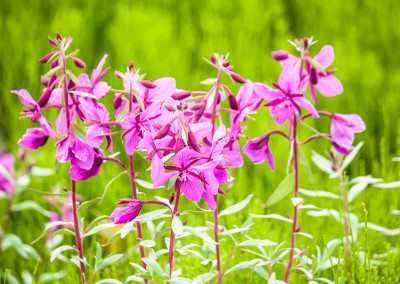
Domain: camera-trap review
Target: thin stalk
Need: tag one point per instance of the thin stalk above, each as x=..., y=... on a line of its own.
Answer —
x=78, y=239
x=172, y=238
x=216, y=219
x=135, y=196
x=347, y=232
x=295, y=167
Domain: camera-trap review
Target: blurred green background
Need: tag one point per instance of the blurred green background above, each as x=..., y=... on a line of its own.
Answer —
x=170, y=38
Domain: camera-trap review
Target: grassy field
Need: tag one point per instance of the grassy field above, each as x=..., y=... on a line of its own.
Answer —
x=170, y=38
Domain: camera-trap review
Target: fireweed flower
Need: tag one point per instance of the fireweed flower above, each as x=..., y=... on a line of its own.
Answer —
x=343, y=128
x=126, y=214
x=7, y=184
x=33, y=139
x=258, y=151
x=286, y=99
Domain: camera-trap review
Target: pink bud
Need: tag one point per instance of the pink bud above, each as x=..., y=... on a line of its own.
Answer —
x=232, y=102
x=200, y=112
x=46, y=58
x=237, y=78
x=163, y=131
x=59, y=37
x=196, y=107
x=148, y=84
x=213, y=59
x=313, y=76
x=44, y=80
x=78, y=63
x=102, y=74
x=181, y=95
x=192, y=141
x=131, y=66
x=52, y=41
x=44, y=98
x=170, y=108
x=179, y=145
x=117, y=100
x=280, y=55
x=226, y=63
x=54, y=64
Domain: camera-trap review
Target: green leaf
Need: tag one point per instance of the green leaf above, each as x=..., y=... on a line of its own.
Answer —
x=98, y=228
x=154, y=267
x=150, y=216
x=30, y=205
x=273, y=216
x=11, y=241
x=144, y=184
x=59, y=250
x=148, y=243
x=109, y=184
x=108, y=261
x=236, y=207
x=255, y=242
x=284, y=188
x=109, y=281
x=52, y=276
x=177, y=226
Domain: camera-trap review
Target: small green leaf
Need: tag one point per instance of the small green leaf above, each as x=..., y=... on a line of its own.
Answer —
x=236, y=207
x=284, y=188
x=108, y=261
x=177, y=226
x=30, y=205
x=59, y=250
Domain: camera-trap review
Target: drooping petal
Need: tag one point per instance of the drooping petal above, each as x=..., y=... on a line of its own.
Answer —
x=325, y=56
x=258, y=151
x=158, y=174
x=33, y=139
x=94, y=135
x=25, y=97
x=329, y=86
x=126, y=214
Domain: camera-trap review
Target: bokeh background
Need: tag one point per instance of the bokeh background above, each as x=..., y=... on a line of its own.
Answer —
x=170, y=38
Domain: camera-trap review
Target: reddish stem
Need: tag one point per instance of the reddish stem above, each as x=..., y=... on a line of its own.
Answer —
x=216, y=220
x=78, y=239
x=295, y=166
x=172, y=239
x=135, y=196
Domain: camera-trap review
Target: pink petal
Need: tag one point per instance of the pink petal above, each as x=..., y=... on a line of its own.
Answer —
x=325, y=56
x=329, y=86
x=192, y=188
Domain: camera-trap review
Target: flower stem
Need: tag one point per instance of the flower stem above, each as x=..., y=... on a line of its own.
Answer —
x=135, y=196
x=172, y=238
x=343, y=186
x=78, y=239
x=295, y=166
x=216, y=219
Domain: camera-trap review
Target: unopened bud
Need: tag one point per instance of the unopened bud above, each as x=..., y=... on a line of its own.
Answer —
x=117, y=100
x=44, y=98
x=196, y=107
x=78, y=63
x=179, y=145
x=44, y=80
x=47, y=57
x=163, y=131
x=131, y=66
x=280, y=55
x=192, y=141
x=170, y=108
x=226, y=63
x=59, y=37
x=171, y=198
x=213, y=59
x=313, y=76
x=52, y=41
x=236, y=77
x=54, y=64
x=148, y=84
x=232, y=102
x=181, y=95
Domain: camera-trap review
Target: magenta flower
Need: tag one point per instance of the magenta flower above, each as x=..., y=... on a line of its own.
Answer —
x=77, y=172
x=258, y=151
x=33, y=139
x=286, y=99
x=126, y=214
x=7, y=184
x=94, y=85
x=34, y=111
x=343, y=128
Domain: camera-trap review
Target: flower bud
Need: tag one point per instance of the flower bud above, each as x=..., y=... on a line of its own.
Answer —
x=47, y=57
x=192, y=141
x=236, y=77
x=52, y=41
x=181, y=95
x=44, y=80
x=148, y=84
x=54, y=64
x=170, y=108
x=78, y=63
x=280, y=55
x=213, y=59
x=179, y=145
x=131, y=66
x=58, y=35
x=232, y=102
x=226, y=64
x=313, y=76
x=196, y=107
x=44, y=98
x=163, y=131
x=117, y=100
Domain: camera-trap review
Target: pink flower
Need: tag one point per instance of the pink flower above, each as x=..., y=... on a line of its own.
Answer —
x=77, y=172
x=343, y=128
x=7, y=174
x=33, y=139
x=258, y=151
x=126, y=214
x=94, y=85
x=286, y=99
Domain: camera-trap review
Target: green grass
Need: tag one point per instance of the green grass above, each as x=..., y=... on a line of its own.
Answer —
x=170, y=38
